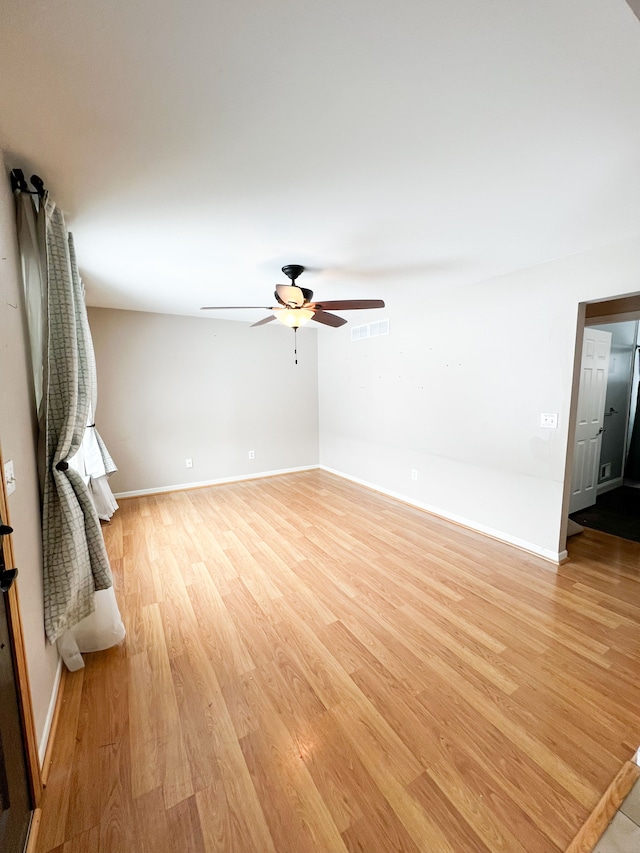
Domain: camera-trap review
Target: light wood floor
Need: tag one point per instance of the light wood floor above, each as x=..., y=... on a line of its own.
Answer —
x=311, y=666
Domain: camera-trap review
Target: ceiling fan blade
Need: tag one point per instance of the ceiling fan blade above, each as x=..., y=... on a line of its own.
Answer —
x=328, y=319
x=350, y=304
x=264, y=320
x=289, y=295
x=235, y=307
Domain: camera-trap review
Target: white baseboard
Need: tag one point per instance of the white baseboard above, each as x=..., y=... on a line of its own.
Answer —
x=48, y=720
x=552, y=556
x=180, y=487
x=610, y=485
x=555, y=557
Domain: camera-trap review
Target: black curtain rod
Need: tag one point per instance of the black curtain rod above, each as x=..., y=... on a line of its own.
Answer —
x=18, y=182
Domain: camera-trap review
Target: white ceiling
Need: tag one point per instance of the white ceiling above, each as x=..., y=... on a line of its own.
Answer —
x=197, y=146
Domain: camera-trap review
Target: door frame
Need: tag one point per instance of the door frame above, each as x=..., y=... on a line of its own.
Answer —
x=595, y=312
x=21, y=670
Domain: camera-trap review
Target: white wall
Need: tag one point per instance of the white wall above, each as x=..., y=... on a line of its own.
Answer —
x=172, y=388
x=18, y=439
x=457, y=388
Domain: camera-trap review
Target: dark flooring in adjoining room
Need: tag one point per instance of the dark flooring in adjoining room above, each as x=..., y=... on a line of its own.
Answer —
x=616, y=512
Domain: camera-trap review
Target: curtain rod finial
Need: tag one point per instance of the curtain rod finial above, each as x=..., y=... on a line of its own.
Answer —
x=38, y=183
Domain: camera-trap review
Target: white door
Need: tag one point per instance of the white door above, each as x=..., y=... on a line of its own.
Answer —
x=594, y=371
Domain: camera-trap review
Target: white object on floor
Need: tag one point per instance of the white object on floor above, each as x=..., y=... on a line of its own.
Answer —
x=103, y=498
x=100, y=630
x=573, y=527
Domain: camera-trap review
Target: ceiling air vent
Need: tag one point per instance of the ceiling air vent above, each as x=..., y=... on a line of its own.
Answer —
x=370, y=330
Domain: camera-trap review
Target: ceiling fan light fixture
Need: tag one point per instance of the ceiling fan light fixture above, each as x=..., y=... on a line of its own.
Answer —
x=293, y=317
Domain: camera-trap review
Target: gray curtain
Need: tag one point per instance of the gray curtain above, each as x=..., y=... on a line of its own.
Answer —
x=75, y=559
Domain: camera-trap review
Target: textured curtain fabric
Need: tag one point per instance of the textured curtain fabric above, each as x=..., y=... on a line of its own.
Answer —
x=93, y=461
x=81, y=611
x=33, y=260
x=75, y=559
x=98, y=462
x=94, y=464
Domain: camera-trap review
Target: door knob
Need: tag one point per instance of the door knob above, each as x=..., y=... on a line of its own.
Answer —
x=7, y=577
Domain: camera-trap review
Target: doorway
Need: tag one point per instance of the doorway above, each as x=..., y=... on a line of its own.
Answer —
x=615, y=506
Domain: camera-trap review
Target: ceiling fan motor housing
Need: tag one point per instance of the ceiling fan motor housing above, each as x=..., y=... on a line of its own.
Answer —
x=296, y=305
x=292, y=271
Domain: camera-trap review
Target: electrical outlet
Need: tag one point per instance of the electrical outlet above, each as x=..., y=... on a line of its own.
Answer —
x=9, y=477
x=189, y=463
x=414, y=473
x=252, y=454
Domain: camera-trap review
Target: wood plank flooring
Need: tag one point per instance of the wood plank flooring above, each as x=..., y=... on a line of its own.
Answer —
x=312, y=667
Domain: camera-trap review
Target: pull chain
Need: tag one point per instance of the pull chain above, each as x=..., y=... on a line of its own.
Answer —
x=295, y=343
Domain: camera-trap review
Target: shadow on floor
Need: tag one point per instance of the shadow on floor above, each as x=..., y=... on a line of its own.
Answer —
x=616, y=512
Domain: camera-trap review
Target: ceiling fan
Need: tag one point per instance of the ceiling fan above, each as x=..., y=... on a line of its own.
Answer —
x=296, y=305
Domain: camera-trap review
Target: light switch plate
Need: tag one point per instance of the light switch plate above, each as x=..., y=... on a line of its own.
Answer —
x=549, y=420
x=9, y=477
